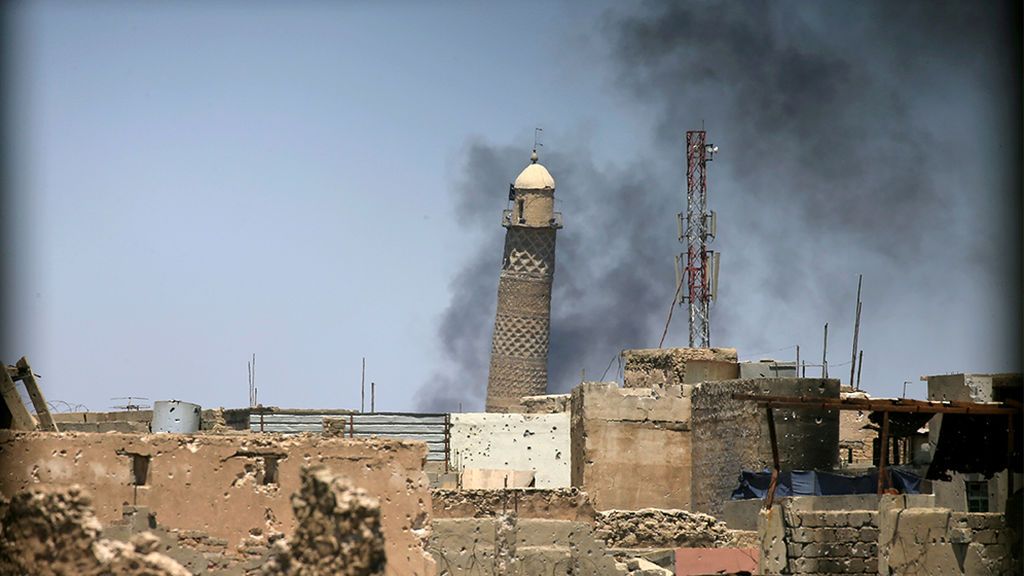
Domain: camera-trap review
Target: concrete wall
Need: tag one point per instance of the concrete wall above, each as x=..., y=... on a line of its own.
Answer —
x=631, y=447
x=658, y=367
x=923, y=541
x=731, y=435
x=537, y=442
x=767, y=369
x=226, y=485
x=820, y=535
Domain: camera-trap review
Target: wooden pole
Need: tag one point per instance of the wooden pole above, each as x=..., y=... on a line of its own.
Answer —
x=770, y=499
x=36, y=395
x=362, y=388
x=883, y=452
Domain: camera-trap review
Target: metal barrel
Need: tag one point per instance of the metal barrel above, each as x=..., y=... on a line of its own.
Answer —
x=176, y=416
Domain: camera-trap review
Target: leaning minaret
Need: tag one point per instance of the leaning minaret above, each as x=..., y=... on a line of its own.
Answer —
x=519, y=348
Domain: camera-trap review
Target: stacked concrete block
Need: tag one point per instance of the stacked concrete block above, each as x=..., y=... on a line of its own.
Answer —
x=919, y=541
x=798, y=540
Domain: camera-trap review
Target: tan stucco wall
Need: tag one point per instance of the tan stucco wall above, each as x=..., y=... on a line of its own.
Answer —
x=631, y=447
x=211, y=483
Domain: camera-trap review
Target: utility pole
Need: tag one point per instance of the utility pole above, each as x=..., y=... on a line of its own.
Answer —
x=362, y=388
x=701, y=265
x=373, y=397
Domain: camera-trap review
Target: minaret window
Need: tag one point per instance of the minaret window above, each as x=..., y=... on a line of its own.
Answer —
x=522, y=217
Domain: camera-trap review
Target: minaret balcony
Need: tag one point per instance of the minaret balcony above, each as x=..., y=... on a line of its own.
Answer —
x=508, y=220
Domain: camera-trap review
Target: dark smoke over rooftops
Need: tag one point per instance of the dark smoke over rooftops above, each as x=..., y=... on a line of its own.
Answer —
x=873, y=138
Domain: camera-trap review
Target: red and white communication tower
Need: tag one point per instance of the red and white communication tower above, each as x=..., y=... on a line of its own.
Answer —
x=698, y=268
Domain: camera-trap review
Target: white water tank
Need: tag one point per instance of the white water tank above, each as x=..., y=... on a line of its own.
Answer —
x=176, y=417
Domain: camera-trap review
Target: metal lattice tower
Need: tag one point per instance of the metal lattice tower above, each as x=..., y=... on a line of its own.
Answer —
x=700, y=271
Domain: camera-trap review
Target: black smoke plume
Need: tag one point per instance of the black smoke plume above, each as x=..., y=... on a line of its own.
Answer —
x=874, y=138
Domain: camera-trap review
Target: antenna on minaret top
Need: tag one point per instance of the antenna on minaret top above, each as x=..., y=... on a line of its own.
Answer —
x=536, y=138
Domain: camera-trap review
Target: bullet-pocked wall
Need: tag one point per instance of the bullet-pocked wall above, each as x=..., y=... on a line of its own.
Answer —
x=535, y=442
x=730, y=436
x=227, y=485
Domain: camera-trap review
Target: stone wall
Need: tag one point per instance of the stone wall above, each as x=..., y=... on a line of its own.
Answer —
x=535, y=442
x=559, y=504
x=855, y=441
x=631, y=447
x=887, y=535
x=657, y=367
x=924, y=541
x=226, y=485
x=732, y=435
x=798, y=539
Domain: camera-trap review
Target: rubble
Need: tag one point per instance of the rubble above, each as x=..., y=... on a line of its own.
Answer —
x=655, y=528
x=55, y=532
x=338, y=531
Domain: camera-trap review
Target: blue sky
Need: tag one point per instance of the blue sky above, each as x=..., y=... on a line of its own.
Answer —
x=206, y=182
x=198, y=182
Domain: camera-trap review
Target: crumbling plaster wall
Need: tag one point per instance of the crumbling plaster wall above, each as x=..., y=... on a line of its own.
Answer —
x=225, y=485
x=517, y=532
x=732, y=435
x=631, y=447
x=659, y=367
x=537, y=442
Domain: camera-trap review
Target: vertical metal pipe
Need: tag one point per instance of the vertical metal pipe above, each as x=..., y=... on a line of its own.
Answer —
x=856, y=331
x=824, y=354
x=373, y=397
x=860, y=364
x=796, y=368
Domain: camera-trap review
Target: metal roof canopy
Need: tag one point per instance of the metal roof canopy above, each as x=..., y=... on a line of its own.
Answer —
x=1009, y=408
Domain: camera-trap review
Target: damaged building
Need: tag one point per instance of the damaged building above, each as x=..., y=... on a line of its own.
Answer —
x=694, y=463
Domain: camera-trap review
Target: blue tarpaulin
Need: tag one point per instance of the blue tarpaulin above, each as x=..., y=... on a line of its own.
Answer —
x=816, y=483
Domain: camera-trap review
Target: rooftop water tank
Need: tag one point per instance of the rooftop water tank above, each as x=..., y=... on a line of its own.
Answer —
x=176, y=417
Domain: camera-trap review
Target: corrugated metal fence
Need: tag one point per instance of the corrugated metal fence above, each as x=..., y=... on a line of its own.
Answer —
x=434, y=429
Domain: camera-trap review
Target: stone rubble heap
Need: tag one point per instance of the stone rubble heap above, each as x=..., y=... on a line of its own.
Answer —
x=56, y=533
x=338, y=532
x=654, y=528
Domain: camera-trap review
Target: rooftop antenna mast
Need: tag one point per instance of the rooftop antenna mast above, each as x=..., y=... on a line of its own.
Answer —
x=698, y=267
x=536, y=138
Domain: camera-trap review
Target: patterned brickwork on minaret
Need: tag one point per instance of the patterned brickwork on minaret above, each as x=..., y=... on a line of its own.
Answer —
x=519, y=348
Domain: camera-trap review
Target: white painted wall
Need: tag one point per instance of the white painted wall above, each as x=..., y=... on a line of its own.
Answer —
x=538, y=442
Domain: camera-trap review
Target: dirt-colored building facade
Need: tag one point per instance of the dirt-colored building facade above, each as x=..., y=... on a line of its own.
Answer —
x=227, y=485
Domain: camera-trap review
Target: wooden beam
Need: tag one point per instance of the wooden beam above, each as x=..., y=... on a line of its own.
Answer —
x=36, y=395
x=21, y=419
x=881, y=405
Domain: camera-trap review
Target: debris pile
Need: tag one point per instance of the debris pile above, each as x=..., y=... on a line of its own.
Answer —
x=50, y=533
x=338, y=532
x=654, y=528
